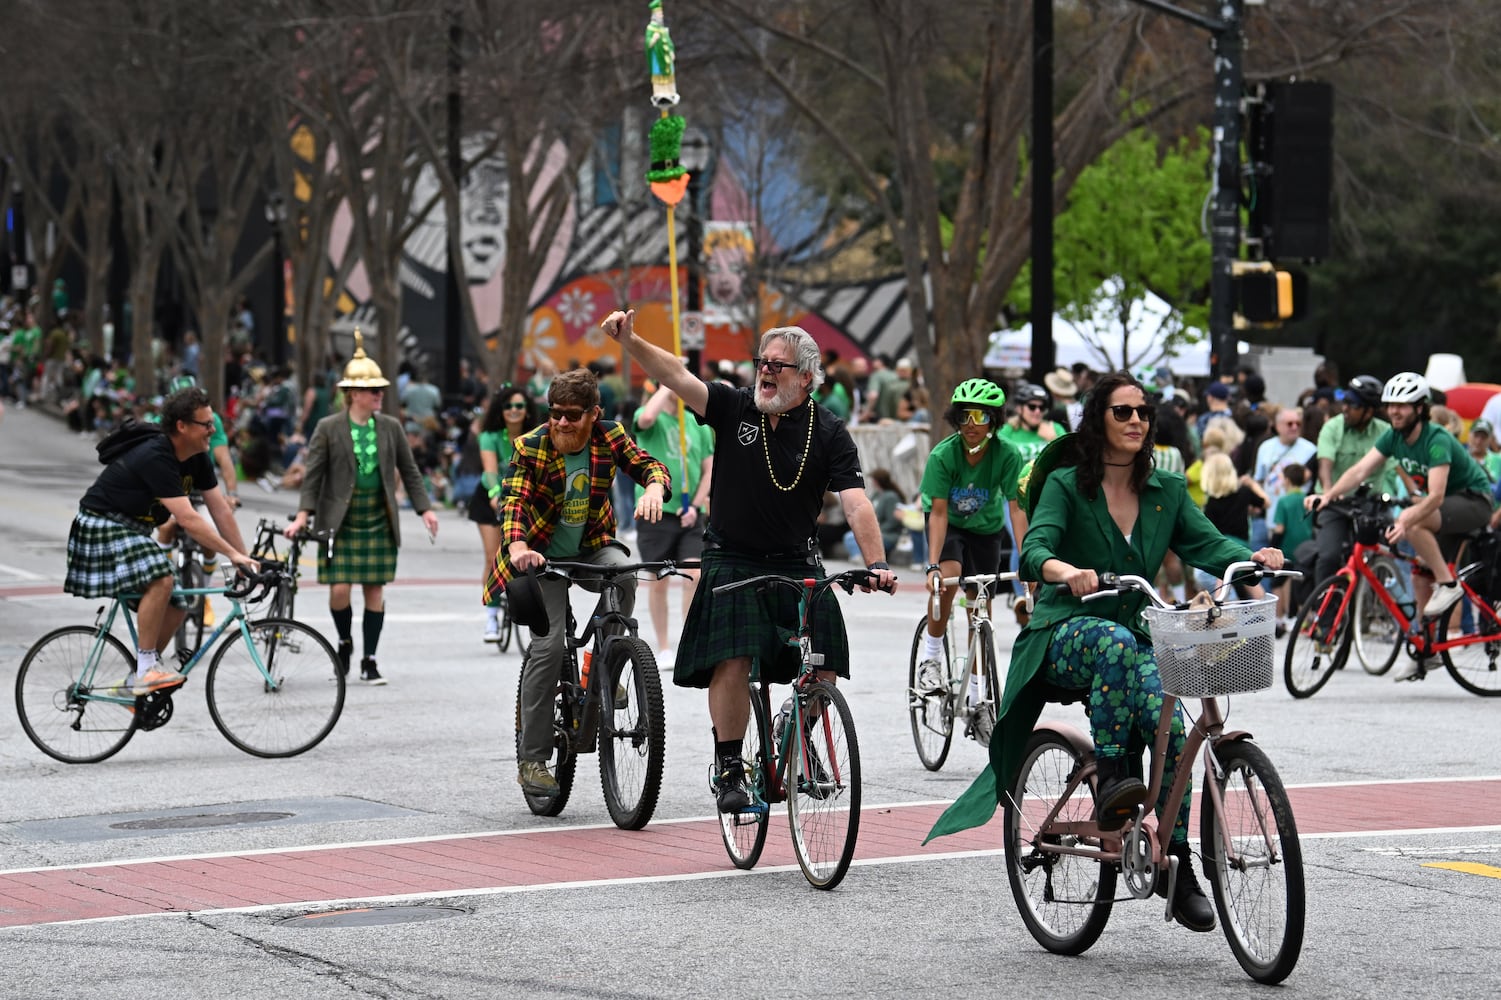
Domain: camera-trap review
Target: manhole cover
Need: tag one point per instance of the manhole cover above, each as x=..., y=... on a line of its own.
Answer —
x=372, y=916
x=198, y=820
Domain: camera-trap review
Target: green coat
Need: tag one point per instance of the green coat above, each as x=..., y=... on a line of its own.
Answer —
x=1069, y=526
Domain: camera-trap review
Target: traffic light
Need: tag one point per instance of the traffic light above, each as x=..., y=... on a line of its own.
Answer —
x=1291, y=143
x=1269, y=295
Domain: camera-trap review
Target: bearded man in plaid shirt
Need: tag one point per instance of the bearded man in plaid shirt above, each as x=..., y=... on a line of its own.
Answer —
x=556, y=505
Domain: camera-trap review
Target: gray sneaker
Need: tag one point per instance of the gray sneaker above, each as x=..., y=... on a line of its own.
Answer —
x=930, y=676
x=533, y=778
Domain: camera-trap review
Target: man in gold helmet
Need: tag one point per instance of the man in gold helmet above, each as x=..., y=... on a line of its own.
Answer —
x=349, y=487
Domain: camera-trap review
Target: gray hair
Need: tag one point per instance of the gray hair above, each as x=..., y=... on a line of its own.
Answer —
x=809, y=358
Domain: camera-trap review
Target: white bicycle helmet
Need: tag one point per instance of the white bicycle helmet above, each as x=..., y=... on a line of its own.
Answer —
x=1405, y=387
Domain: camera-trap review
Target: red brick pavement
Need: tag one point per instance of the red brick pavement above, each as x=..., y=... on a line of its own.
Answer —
x=560, y=857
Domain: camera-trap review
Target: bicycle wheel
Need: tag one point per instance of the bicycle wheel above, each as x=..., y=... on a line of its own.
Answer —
x=1378, y=637
x=744, y=834
x=1314, y=651
x=632, y=735
x=824, y=807
x=507, y=627
x=190, y=576
x=931, y=709
x=73, y=695
x=564, y=762
x=1258, y=881
x=1064, y=899
x=985, y=712
x=288, y=714
x=1474, y=666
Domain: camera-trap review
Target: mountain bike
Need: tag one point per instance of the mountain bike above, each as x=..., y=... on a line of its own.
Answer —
x=611, y=704
x=273, y=686
x=807, y=755
x=935, y=702
x=1063, y=869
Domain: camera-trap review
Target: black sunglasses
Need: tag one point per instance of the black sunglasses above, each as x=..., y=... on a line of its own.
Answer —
x=775, y=367
x=1122, y=413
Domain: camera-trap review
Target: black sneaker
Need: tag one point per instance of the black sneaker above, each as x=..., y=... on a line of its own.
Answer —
x=369, y=674
x=1191, y=907
x=731, y=794
x=346, y=652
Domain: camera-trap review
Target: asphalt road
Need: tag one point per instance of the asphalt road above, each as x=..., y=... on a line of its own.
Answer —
x=432, y=755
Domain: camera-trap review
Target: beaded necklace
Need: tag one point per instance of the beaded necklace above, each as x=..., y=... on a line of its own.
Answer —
x=807, y=446
x=364, y=446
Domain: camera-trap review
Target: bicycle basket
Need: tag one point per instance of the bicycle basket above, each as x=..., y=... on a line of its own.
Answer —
x=1206, y=652
x=1370, y=528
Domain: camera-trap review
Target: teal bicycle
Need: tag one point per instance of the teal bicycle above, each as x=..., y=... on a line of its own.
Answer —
x=273, y=686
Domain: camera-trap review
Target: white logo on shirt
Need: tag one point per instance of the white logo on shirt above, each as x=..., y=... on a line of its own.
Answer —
x=748, y=433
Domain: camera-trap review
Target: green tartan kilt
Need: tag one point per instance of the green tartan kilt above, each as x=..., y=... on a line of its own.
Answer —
x=106, y=559
x=743, y=622
x=364, y=549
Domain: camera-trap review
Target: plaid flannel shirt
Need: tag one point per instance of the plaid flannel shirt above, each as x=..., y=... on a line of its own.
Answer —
x=536, y=484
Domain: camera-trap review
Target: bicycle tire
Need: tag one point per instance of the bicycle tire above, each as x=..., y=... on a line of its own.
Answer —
x=1307, y=665
x=985, y=712
x=1475, y=666
x=931, y=712
x=1064, y=899
x=823, y=807
x=1259, y=893
x=1377, y=637
x=632, y=735
x=190, y=576
x=507, y=627
x=287, y=718
x=564, y=762
x=55, y=702
x=744, y=834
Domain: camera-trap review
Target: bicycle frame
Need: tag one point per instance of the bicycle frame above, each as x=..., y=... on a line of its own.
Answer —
x=978, y=612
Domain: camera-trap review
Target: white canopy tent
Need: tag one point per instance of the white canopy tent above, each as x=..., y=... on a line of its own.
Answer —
x=1101, y=343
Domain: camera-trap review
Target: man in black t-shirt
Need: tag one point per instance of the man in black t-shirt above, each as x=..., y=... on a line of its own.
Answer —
x=776, y=451
x=110, y=548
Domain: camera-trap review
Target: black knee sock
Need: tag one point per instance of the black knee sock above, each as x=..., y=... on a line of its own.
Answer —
x=725, y=749
x=374, y=621
x=344, y=622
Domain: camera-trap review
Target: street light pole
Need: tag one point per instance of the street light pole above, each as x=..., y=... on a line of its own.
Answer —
x=694, y=154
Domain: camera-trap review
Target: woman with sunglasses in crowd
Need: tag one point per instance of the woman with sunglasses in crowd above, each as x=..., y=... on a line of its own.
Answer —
x=1029, y=430
x=1096, y=504
x=969, y=478
x=509, y=415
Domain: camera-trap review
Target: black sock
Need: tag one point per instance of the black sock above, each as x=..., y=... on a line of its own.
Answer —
x=343, y=622
x=374, y=621
x=725, y=749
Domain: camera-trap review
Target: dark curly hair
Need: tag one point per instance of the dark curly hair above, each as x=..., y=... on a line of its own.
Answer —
x=1091, y=436
x=183, y=405
x=495, y=413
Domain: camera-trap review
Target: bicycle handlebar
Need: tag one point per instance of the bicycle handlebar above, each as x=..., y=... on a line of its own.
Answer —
x=848, y=580
x=269, y=576
x=662, y=568
x=985, y=580
x=1112, y=583
x=1362, y=500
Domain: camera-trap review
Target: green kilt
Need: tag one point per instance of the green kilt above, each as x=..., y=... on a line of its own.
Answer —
x=743, y=622
x=365, y=548
x=106, y=559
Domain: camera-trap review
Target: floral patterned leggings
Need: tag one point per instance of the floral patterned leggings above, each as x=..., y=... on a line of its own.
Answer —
x=1124, y=697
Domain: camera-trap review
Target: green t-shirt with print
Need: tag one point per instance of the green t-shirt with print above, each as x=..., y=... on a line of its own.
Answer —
x=1435, y=446
x=661, y=442
x=574, y=511
x=976, y=494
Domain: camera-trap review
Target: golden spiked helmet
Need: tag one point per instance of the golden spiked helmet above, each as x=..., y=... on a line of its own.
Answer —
x=361, y=372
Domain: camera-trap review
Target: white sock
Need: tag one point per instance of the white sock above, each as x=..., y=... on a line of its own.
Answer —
x=145, y=660
x=932, y=647
x=975, y=695
x=492, y=615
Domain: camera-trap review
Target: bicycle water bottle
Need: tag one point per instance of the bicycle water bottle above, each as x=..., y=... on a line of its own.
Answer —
x=779, y=723
x=960, y=649
x=584, y=669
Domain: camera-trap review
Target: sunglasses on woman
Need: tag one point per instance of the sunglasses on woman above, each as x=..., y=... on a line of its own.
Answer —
x=981, y=417
x=1122, y=413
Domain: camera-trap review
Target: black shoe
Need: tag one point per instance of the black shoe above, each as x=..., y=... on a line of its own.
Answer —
x=369, y=674
x=346, y=652
x=732, y=796
x=1117, y=792
x=1190, y=906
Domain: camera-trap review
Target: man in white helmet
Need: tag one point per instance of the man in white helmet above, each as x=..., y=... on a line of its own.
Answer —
x=1451, y=491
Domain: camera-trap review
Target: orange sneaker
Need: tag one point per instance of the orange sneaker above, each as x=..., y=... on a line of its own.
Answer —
x=157, y=679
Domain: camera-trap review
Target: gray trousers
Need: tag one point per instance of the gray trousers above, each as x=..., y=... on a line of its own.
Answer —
x=544, y=664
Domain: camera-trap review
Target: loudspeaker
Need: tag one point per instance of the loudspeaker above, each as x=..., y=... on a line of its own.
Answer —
x=1291, y=143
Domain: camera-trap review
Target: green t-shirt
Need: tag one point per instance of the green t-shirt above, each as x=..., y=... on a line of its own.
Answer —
x=26, y=342
x=661, y=442
x=1435, y=446
x=1344, y=447
x=1491, y=463
x=574, y=512
x=497, y=443
x=1027, y=442
x=977, y=494
x=1293, y=520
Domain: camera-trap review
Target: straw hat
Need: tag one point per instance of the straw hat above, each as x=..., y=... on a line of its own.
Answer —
x=1060, y=382
x=361, y=372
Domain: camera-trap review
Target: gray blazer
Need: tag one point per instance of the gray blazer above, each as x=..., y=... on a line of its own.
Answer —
x=328, y=483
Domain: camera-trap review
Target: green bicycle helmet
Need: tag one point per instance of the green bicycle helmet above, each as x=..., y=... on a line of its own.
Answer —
x=979, y=392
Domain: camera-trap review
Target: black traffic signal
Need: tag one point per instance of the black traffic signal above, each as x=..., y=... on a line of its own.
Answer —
x=1268, y=295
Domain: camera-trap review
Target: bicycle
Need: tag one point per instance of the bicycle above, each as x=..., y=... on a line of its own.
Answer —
x=935, y=703
x=631, y=736
x=267, y=535
x=273, y=688
x=1063, y=868
x=807, y=756
x=1355, y=608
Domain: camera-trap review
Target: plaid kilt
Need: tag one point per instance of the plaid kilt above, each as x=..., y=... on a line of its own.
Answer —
x=746, y=623
x=364, y=549
x=106, y=559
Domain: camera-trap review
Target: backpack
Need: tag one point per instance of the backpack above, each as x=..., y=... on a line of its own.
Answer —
x=124, y=439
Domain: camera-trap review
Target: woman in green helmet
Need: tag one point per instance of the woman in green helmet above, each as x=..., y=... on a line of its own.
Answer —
x=969, y=478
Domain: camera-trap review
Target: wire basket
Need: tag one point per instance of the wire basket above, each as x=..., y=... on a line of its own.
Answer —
x=1217, y=650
